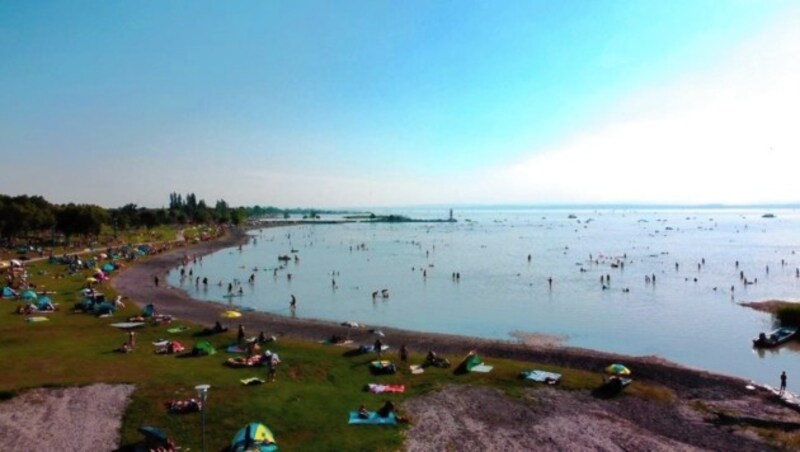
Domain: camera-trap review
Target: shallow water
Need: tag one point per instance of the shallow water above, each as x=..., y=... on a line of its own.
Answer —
x=500, y=291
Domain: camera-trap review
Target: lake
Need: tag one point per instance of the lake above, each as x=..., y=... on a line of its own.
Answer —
x=601, y=261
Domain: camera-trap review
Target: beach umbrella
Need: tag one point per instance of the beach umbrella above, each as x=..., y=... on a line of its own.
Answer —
x=230, y=314
x=618, y=369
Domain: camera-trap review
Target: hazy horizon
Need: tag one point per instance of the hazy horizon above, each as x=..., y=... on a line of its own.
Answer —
x=374, y=103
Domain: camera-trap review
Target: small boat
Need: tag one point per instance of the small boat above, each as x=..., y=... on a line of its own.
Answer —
x=775, y=338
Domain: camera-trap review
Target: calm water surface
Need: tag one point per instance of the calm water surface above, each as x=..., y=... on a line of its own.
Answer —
x=689, y=315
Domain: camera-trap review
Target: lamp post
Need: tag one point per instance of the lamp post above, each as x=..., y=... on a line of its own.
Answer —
x=202, y=394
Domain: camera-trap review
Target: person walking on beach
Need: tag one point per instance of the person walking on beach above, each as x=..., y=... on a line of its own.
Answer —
x=272, y=366
x=378, y=347
x=132, y=341
x=404, y=353
x=783, y=383
x=240, y=334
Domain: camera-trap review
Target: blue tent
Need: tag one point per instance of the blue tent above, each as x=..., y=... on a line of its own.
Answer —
x=44, y=303
x=103, y=308
x=107, y=267
x=28, y=295
x=148, y=310
x=8, y=292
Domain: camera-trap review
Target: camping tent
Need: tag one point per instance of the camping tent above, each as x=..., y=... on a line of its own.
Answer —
x=470, y=361
x=254, y=437
x=28, y=295
x=44, y=303
x=104, y=308
x=203, y=348
x=8, y=292
x=149, y=310
x=108, y=267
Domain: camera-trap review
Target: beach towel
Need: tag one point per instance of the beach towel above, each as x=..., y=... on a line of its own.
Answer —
x=330, y=342
x=482, y=368
x=244, y=362
x=416, y=369
x=541, y=376
x=36, y=319
x=235, y=349
x=160, y=342
x=379, y=388
x=177, y=329
x=252, y=381
x=372, y=419
x=125, y=325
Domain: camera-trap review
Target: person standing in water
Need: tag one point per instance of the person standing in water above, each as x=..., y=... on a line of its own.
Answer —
x=783, y=382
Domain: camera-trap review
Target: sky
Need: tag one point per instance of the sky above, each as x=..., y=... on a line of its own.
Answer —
x=381, y=103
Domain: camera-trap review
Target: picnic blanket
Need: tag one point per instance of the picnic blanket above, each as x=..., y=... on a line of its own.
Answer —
x=372, y=419
x=177, y=329
x=541, y=376
x=376, y=388
x=252, y=381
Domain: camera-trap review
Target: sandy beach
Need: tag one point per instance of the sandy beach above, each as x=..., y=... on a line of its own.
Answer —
x=624, y=423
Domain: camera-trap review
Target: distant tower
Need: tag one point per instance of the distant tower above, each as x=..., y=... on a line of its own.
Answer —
x=451, y=214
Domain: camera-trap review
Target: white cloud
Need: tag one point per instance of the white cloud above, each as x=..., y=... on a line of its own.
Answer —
x=728, y=134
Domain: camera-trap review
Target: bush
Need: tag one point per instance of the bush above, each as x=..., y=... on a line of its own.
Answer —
x=789, y=315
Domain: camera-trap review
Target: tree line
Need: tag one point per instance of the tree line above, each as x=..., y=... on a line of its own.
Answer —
x=33, y=216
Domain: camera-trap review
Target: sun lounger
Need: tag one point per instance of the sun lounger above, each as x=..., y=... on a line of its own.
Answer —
x=372, y=419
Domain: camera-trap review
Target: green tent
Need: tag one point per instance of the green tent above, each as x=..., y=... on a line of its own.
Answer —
x=469, y=362
x=203, y=348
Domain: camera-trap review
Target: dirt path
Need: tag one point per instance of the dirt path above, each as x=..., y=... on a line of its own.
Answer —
x=478, y=418
x=83, y=418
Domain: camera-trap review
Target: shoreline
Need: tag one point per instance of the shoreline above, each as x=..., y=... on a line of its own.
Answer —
x=136, y=283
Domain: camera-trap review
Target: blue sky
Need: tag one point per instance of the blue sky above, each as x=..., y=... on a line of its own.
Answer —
x=379, y=103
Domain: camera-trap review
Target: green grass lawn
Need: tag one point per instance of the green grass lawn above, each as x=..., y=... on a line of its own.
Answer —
x=306, y=408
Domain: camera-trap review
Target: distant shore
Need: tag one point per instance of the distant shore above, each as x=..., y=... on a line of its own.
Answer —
x=137, y=283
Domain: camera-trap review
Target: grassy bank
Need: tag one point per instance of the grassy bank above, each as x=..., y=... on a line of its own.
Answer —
x=306, y=407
